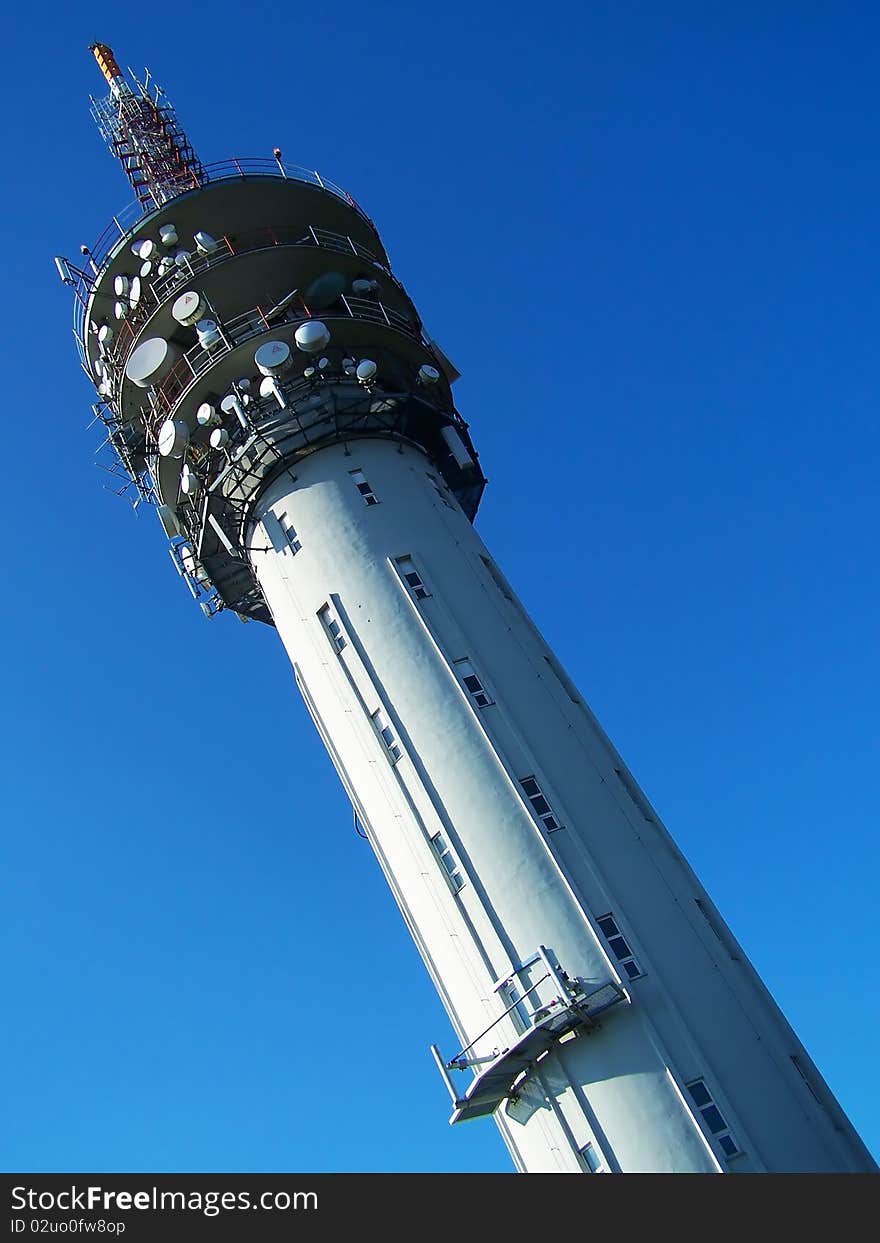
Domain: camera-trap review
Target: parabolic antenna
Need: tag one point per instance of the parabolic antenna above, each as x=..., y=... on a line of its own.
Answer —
x=273, y=358
x=173, y=438
x=324, y=291
x=189, y=308
x=151, y=361
x=312, y=336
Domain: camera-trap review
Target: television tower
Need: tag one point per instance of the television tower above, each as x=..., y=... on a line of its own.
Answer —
x=266, y=382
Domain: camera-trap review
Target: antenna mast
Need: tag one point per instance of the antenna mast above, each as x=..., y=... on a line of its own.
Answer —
x=142, y=131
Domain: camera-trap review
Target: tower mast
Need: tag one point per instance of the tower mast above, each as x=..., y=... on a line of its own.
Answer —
x=267, y=383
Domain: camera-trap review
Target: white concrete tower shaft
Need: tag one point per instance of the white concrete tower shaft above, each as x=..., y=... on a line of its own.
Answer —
x=266, y=382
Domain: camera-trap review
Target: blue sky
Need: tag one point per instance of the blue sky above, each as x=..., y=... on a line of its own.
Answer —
x=646, y=235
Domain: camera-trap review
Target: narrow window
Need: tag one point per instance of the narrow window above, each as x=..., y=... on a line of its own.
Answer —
x=712, y=1116
x=619, y=947
x=412, y=578
x=332, y=626
x=472, y=683
x=540, y=806
x=363, y=487
x=289, y=533
x=386, y=733
x=438, y=489
x=451, y=866
x=592, y=1159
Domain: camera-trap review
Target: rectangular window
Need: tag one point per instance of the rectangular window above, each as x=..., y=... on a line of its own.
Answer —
x=472, y=683
x=712, y=1116
x=289, y=533
x=592, y=1159
x=435, y=484
x=332, y=626
x=386, y=733
x=451, y=866
x=412, y=578
x=618, y=946
x=540, y=806
x=363, y=487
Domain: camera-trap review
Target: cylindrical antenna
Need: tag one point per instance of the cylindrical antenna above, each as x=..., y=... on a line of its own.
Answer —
x=109, y=66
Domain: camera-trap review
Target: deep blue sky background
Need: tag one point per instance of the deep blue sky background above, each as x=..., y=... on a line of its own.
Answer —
x=647, y=236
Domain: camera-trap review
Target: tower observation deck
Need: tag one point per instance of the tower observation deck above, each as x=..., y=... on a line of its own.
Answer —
x=266, y=383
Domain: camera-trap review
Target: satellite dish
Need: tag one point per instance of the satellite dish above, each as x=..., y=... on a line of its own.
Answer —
x=120, y=286
x=136, y=249
x=105, y=334
x=208, y=333
x=219, y=438
x=324, y=291
x=366, y=371
x=349, y=366
x=168, y=234
x=428, y=375
x=182, y=258
x=189, y=308
x=173, y=438
x=146, y=249
x=134, y=292
x=312, y=336
x=151, y=361
x=206, y=415
x=205, y=242
x=244, y=384
x=120, y=309
x=189, y=481
x=165, y=266
x=272, y=359
x=362, y=286
x=309, y=372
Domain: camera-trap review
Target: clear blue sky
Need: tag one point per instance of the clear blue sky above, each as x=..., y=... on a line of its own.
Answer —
x=647, y=236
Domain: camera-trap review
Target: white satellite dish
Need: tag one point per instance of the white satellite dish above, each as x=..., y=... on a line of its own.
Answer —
x=182, y=258
x=173, y=438
x=189, y=481
x=105, y=334
x=120, y=309
x=120, y=286
x=272, y=358
x=366, y=371
x=312, y=336
x=168, y=235
x=146, y=249
x=362, y=286
x=206, y=415
x=243, y=385
x=151, y=361
x=205, y=242
x=189, y=308
x=208, y=333
x=134, y=292
x=428, y=375
x=349, y=366
x=219, y=438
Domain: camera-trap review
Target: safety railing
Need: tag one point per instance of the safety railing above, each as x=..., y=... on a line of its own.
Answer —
x=225, y=170
x=252, y=323
x=155, y=292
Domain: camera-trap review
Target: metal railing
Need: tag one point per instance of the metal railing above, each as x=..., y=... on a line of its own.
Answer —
x=224, y=170
x=157, y=291
x=254, y=322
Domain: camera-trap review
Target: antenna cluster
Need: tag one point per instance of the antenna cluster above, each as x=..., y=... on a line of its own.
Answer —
x=140, y=127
